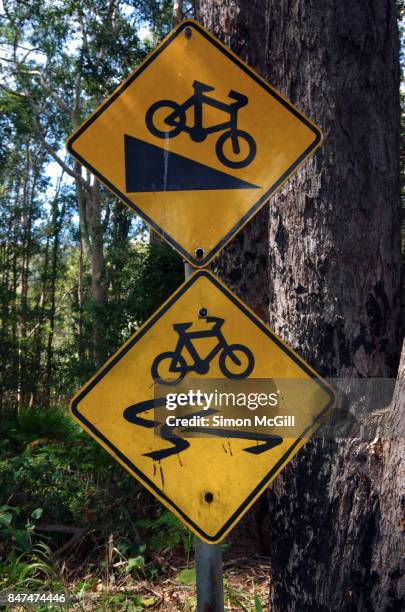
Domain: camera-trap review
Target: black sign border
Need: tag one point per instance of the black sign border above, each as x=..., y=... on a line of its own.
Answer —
x=252, y=211
x=145, y=328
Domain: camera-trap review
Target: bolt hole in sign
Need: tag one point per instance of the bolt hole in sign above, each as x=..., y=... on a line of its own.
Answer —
x=195, y=142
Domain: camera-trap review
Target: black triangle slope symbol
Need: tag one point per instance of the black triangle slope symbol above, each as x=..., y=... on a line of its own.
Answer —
x=150, y=168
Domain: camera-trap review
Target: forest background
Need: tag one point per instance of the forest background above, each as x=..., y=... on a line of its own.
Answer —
x=79, y=274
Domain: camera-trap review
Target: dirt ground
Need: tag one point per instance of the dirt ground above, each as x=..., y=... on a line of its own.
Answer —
x=246, y=588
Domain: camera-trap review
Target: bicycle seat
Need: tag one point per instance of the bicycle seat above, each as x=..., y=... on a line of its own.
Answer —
x=242, y=99
x=200, y=87
x=181, y=326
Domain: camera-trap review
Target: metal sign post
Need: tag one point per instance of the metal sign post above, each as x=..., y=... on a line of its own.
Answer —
x=208, y=567
x=208, y=558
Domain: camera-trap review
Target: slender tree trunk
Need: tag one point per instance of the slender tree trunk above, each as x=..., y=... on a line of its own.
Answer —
x=26, y=220
x=91, y=240
x=96, y=231
x=334, y=272
x=7, y=351
x=121, y=223
x=92, y=235
x=37, y=331
x=80, y=276
x=14, y=316
x=177, y=12
x=25, y=241
x=57, y=220
x=98, y=274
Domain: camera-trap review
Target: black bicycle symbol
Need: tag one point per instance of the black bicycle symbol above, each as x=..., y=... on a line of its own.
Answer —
x=175, y=122
x=237, y=355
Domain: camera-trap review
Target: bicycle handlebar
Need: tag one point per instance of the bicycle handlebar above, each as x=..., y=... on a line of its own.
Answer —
x=241, y=98
x=214, y=320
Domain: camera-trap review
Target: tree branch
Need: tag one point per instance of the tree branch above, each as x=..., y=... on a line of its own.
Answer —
x=12, y=92
x=76, y=101
x=61, y=103
x=53, y=154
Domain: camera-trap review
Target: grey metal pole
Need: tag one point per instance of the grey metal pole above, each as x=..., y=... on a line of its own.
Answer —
x=188, y=269
x=208, y=559
x=208, y=567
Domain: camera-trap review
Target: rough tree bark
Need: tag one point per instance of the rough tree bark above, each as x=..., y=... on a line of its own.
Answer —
x=57, y=221
x=334, y=271
x=91, y=237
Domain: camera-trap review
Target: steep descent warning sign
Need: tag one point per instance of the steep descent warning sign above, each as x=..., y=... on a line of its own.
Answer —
x=195, y=142
x=207, y=475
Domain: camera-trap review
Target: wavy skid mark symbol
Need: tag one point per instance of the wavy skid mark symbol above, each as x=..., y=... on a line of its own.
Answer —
x=269, y=440
x=179, y=445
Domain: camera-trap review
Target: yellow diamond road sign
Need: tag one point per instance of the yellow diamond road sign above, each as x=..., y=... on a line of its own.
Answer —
x=195, y=142
x=205, y=333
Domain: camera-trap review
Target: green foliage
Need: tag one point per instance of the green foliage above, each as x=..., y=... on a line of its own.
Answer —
x=49, y=423
x=20, y=537
x=142, y=277
x=52, y=473
x=165, y=532
x=159, y=271
x=135, y=563
x=187, y=576
x=60, y=61
x=62, y=471
x=30, y=571
x=18, y=112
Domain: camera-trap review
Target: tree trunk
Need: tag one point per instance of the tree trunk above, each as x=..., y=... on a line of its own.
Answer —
x=31, y=176
x=8, y=323
x=92, y=235
x=37, y=332
x=81, y=348
x=334, y=273
x=177, y=12
x=57, y=220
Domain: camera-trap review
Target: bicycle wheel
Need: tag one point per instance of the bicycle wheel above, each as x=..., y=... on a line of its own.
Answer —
x=157, y=115
x=160, y=371
x=236, y=357
x=247, y=156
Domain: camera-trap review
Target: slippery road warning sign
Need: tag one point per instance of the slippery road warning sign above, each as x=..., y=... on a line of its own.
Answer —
x=195, y=142
x=208, y=476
